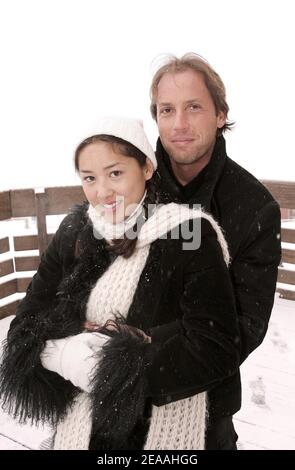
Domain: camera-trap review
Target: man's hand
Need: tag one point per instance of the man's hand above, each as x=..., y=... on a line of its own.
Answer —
x=115, y=326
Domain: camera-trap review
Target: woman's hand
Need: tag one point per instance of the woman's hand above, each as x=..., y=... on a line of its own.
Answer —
x=75, y=358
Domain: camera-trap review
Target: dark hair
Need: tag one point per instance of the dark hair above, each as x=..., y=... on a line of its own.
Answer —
x=213, y=82
x=123, y=246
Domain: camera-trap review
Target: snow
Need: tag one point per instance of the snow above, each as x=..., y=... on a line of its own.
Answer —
x=289, y=266
x=288, y=224
x=282, y=285
x=11, y=298
x=266, y=420
x=19, y=226
x=270, y=425
x=9, y=444
x=288, y=246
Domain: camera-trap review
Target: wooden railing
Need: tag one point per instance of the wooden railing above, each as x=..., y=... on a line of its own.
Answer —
x=18, y=263
x=284, y=193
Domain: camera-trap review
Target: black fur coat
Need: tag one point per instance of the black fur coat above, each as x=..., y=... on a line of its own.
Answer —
x=184, y=301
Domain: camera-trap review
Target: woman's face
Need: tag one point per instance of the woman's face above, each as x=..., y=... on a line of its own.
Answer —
x=113, y=183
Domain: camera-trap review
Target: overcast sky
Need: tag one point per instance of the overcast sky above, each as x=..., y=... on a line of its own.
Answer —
x=64, y=63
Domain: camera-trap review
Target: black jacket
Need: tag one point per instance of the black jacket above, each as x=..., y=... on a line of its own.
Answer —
x=184, y=300
x=250, y=219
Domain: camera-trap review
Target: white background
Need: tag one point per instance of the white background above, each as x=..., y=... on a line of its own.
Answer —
x=64, y=63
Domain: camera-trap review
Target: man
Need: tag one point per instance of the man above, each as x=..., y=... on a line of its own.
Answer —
x=188, y=102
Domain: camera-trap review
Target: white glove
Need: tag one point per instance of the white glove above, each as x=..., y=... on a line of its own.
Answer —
x=74, y=357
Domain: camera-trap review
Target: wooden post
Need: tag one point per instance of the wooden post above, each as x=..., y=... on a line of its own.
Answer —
x=5, y=205
x=41, y=210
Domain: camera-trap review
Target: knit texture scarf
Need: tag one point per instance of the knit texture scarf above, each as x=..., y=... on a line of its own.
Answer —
x=178, y=425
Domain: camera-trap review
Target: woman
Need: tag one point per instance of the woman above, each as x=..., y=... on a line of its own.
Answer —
x=126, y=324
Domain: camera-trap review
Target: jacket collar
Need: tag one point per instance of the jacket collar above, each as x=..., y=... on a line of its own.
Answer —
x=200, y=190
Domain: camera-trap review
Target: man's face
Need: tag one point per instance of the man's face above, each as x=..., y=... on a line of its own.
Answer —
x=187, y=120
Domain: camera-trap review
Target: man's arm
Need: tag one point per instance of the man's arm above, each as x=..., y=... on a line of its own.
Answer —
x=254, y=273
x=202, y=347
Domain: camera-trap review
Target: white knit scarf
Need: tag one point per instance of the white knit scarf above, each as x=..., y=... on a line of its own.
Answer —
x=178, y=425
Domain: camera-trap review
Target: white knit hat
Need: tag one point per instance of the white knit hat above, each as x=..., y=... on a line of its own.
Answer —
x=129, y=129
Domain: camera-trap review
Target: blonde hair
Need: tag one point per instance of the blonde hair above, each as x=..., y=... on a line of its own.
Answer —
x=197, y=63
